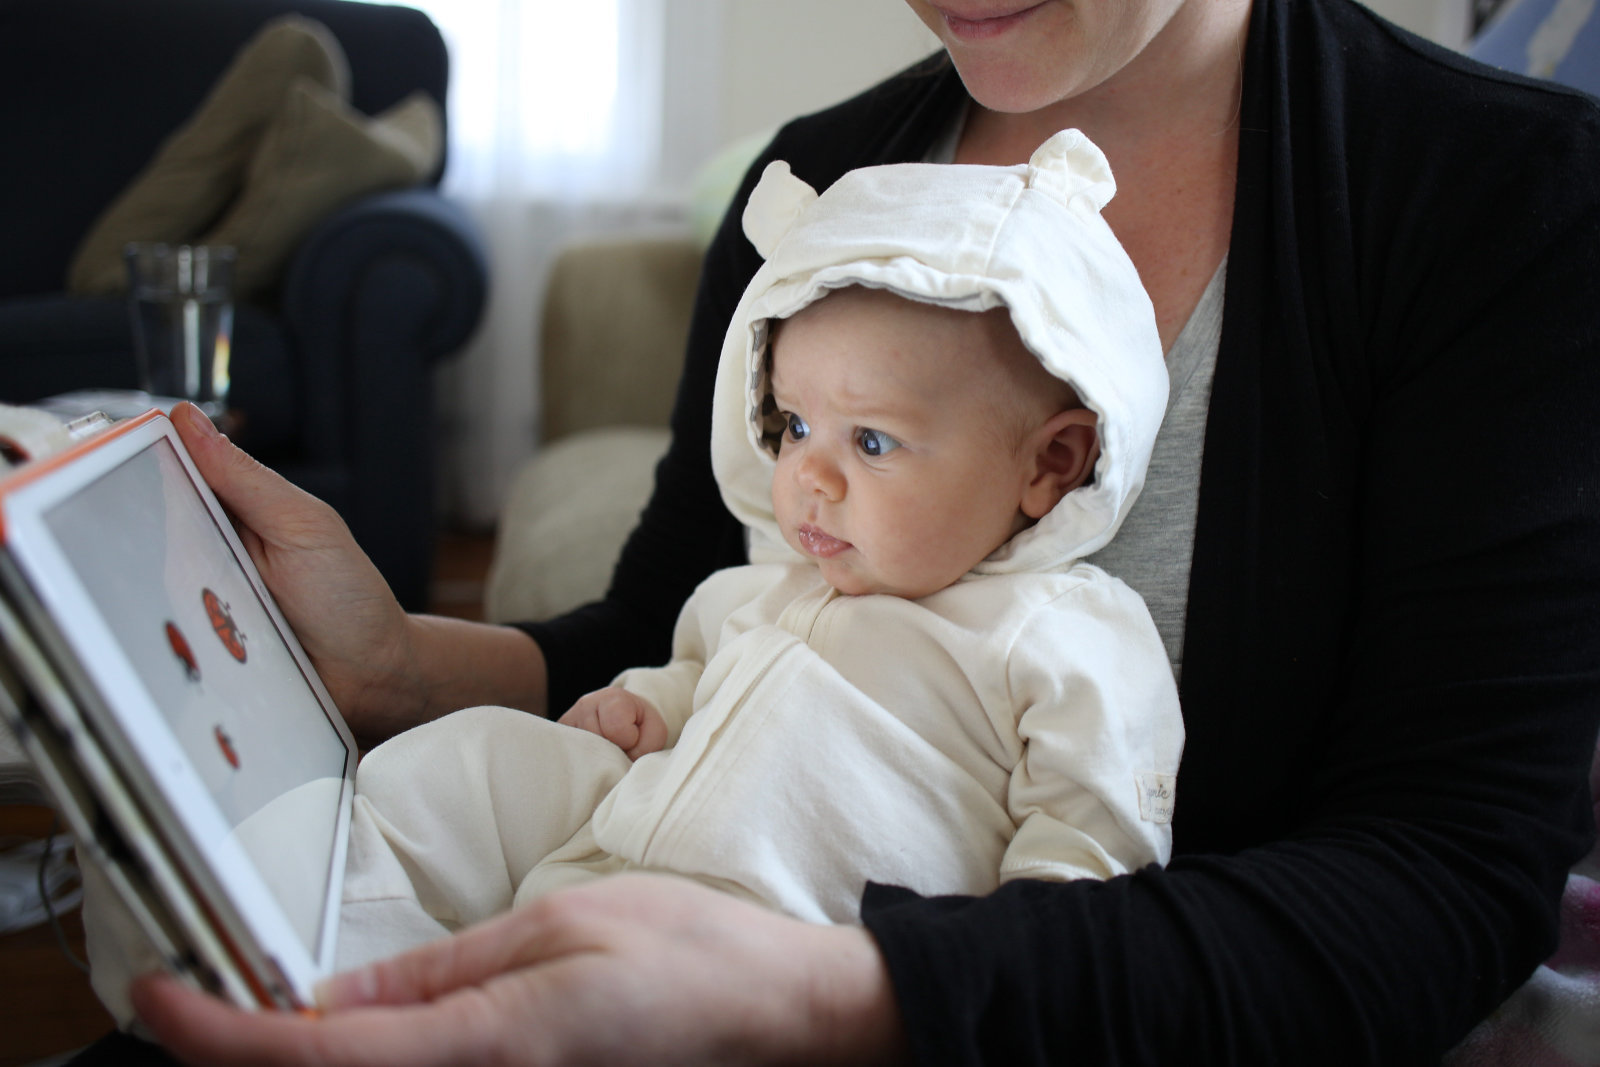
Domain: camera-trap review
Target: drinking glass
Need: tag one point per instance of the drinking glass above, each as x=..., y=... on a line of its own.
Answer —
x=181, y=301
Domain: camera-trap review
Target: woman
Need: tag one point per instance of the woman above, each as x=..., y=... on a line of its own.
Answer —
x=1385, y=638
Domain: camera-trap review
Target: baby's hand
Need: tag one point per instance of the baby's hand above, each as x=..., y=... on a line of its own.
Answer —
x=628, y=721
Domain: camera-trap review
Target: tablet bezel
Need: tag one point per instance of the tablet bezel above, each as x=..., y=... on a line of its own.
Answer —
x=111, y=829
x=280, y=969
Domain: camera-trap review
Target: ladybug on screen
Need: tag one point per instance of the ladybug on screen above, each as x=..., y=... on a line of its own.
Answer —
x=181, y=649
x=222, y=624
x=225, y=743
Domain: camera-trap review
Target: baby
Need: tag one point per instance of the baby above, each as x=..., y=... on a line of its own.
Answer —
x=936, y=397
x=912, y=440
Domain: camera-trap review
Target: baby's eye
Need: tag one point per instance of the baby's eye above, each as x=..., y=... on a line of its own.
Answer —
x=875, y=443
x=797, y=429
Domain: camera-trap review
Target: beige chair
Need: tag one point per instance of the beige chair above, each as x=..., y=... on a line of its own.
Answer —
x=615, y=320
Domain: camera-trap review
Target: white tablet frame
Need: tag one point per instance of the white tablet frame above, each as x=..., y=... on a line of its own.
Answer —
x=276, y=967
x=110, y=827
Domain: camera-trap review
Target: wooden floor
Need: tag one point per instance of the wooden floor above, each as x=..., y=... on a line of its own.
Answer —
x=46, y=1007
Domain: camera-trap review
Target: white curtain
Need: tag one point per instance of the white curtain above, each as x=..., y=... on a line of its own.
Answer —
x=556, y=114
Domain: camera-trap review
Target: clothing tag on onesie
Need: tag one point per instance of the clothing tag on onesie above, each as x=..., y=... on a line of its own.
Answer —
x=1157, y=794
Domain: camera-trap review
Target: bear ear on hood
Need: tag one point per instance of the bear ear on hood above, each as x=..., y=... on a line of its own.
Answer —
x=1069, y=166
x=775, y=203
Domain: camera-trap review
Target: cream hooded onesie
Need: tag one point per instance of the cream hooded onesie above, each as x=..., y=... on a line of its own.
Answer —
x=1022, y=722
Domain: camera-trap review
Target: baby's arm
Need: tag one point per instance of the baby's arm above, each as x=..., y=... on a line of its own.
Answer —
x=1102, y=737
x=645, y=708
x=626, y=719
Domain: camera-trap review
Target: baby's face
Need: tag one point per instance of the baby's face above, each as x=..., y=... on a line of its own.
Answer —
x=896, y=473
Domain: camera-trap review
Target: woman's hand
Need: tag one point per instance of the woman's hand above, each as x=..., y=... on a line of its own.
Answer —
x=633, y=968
x=626, y=719
x=334, y=599
x=386, y=670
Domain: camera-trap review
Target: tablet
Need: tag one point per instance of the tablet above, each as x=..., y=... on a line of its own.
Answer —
x=176, y=720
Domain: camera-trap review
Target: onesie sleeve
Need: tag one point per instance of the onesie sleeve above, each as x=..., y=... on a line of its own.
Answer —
x=671, y=688
x=1101, y=733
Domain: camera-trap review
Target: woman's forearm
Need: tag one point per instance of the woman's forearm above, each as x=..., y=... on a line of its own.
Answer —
x=460, y=664
x=447, y=664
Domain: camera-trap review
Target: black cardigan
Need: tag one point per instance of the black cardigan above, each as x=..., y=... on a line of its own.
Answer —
x=1392, y=660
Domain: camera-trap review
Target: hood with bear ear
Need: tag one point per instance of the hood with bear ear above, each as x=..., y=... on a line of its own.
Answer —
x=1029, y=238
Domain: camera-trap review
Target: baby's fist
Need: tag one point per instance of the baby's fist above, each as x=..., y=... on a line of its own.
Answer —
x=625, y=719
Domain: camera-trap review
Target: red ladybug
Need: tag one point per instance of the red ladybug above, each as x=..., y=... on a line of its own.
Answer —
x=181, y=649
x=222, y=622
x=225, y=743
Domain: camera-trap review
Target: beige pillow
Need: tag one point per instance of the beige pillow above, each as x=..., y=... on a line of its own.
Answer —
x=567, y=515
x=198, y=169
x=319, y=154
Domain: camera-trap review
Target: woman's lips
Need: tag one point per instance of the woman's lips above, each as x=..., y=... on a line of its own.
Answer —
x=977, y=29
x=820, y=543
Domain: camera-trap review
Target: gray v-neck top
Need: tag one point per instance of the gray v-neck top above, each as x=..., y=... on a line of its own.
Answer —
x=1153, y=550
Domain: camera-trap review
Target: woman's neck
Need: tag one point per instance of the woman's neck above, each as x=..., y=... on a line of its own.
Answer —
x=1183, y=86
x=1168, y=124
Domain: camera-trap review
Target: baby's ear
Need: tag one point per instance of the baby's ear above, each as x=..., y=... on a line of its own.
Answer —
x=1065, y=449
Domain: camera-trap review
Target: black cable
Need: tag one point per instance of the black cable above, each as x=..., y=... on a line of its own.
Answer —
x=49, y=904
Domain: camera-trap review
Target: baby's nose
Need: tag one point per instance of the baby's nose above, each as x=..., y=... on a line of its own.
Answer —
x=816, y=473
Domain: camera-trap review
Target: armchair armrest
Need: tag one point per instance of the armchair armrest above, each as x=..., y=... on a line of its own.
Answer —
x=376, y=296
x=415, y=229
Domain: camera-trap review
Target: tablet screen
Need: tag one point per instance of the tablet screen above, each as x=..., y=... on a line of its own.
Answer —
x=156, y=568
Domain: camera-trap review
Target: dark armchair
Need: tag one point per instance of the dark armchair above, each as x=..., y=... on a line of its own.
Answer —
x=332, y=374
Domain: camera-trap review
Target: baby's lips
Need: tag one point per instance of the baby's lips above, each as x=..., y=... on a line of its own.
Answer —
x=820, y=543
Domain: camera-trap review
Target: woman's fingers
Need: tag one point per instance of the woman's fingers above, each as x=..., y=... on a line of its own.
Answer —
x=475, y=955
x=335, y=600
x=199, y=1029
x=629, y=969
x=259, y=498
